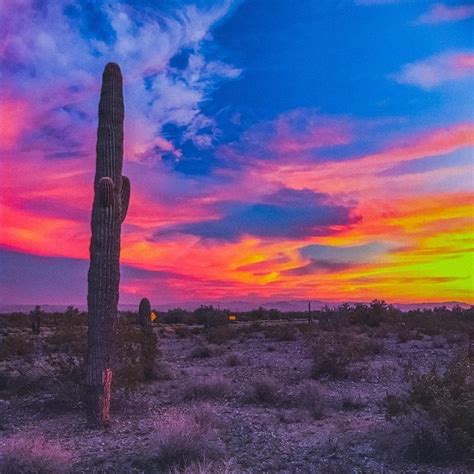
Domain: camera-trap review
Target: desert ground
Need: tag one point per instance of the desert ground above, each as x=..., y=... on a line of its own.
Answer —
x=295, y=396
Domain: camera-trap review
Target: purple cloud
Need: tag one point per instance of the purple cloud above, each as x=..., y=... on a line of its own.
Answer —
x=287, y=213
x=331, y=258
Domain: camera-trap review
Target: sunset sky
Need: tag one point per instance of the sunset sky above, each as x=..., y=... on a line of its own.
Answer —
x=276, y=149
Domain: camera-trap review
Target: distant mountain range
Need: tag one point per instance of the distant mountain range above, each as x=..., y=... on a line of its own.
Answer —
x=237, y=305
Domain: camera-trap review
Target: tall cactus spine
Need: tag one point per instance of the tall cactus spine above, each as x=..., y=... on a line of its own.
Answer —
x=111, y=199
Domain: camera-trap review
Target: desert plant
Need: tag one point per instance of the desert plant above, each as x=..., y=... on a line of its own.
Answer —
x=310, y=398
x=205, y=416
x=263, y=390
x=144, y=313
x=111, y=199
x=201, y=351
x=182, y=332
x=220, y=334
x=33, y=455
x=149, y=342
x=209, y=389
x=438, y=414
x=233, y=360
x=206, y=467
x=36, y=319
x=135, y=355
x=282, y=332
x=334, y=352
x=181, y=441
x=15, y=345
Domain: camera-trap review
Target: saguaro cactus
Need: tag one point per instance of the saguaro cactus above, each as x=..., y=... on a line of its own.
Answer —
x=144, y=313
x=36, y=319
x=111, y=198
x=149, y=340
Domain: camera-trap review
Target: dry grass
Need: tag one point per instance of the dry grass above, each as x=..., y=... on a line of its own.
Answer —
x=233, y=360
x=210, y=389
x=34, y=455
x=264, y=390
x=311, y=399
x=181, y=442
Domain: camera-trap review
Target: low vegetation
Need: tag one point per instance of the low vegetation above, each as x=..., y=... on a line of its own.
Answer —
x=181, y=440
x=438, y=413
x=34, y=455
x=272, y=392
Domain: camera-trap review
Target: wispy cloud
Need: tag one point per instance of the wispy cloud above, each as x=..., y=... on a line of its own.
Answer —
x=441, y=13
x=436, y=70
x=35, y=55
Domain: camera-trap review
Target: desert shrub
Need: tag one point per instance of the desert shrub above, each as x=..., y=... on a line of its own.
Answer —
x=443, y=407
x=282, y=332
x=135, y=355
x=177, y=316
x=233, y=360
x=22, y=385
x=334, y=352
x=182, y=332
x=70, y=339
x=254, y=327
x=201, y=352
x=404, y=335
x=310, y=399
x=220, y=334
x=351, y=404
x=35, y=456
x=393, y=406
x=205, y=416
x=163, y=371
x=212, y=388
x=210, y=316
x=455, y=337
x=381, y=332
x=15, y=346
x=180, y=442
x=330, y=358
x=263, y=390
x=206, y=467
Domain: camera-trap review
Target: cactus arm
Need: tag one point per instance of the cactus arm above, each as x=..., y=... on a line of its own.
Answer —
x=124, y=197
x=106, y=191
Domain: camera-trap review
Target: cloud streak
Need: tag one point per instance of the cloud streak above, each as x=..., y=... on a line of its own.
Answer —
x=434, y=71
x=441, y=13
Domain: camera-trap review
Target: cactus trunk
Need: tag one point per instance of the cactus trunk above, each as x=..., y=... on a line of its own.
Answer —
x=149, y=347
x=144, y=313
x=111, y=197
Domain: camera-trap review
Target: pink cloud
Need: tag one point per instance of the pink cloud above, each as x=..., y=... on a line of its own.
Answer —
x=301, y=131
x=441, y=13
x=436, y=70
